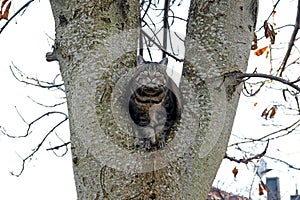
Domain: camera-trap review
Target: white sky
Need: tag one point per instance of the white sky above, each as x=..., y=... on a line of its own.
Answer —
x=25, y=42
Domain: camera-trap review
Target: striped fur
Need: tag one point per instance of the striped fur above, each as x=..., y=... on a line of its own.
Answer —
x=154, y=105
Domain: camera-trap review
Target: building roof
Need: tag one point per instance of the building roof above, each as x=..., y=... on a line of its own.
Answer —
x=217, y=194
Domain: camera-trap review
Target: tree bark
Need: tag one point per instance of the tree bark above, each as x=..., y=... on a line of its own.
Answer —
x=95, y=45
x=219, y=34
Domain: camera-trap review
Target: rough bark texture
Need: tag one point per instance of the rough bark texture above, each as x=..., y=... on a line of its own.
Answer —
x=96, y=45
x=93, y=53
x=218, y=42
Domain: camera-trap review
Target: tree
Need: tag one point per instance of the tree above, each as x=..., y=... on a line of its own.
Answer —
x=96, y=44
x=184, y=140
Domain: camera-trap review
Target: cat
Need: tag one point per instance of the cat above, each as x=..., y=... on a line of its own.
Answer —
x=155, y=104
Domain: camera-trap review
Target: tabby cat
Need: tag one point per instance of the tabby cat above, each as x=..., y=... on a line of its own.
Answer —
x=155, y=104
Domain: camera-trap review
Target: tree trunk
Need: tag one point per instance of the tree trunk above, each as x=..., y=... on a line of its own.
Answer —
x=96, y=44
x=219, y=34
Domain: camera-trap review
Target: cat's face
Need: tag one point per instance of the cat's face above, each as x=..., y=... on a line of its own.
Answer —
x=151, y=78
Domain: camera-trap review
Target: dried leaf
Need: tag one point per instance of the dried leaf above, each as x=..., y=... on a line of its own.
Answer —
x=255, y=104
x=267, y=53
x=3, y=3
x=264, y=186
x=260, y=189
x=254, y=42
x=269, y=32
x=273, y=12
x=272, y=36
x=235, y=172
x=272, y=112
x=259, y=52
x=265, y=113
x=6, y=12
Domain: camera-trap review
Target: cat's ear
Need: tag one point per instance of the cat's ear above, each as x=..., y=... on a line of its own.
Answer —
x=140, y=60
x=164, y=61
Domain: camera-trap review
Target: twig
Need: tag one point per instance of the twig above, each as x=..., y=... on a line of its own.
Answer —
x=38, y=83
x=32, y=123
x=166, y=26
x=267, y=137
x=291, y=43
x=59, y=146
x=40, y=144
x=284, y=162
x=161, y=48
x=274, y=7
x=12, y=17
x=276, y=78
x=247, y=160
x=47, y=106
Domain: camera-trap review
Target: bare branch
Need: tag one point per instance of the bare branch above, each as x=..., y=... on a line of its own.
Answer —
x=291, y=43
x=247, y=160
x=165, y=26
x=271, y=136
x=47, y=106
x=41, y=143
x=251, y=93
x=274, y=7
x=284, y=162
x=59, y=146
x=34, y=81
x=12, y=17
x=28, y=131
x=276, y=78
x=161, y=48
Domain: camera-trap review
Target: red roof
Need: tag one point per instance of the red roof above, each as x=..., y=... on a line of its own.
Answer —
x=217, y=194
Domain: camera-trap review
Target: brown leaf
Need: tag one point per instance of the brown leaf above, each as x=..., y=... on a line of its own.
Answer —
x=6, y=11
x=267, y=53
x=255, y=104
x=269, y=32
x=264, y=186
x=3, y=3
x=265, y=113
x=254, y=42
x=260, y=190
x=272, y=112
x=272, y=36
x=267, y=29
x=235, y=172
x=260, y=51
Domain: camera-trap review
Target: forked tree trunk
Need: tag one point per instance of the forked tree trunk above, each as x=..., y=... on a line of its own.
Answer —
x=219, y=35
x=96, y=44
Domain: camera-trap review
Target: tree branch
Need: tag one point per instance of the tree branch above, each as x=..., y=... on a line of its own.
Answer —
x=291, y=43
x=276, y=78
x=247, y=160
x=35, y=81
x=12, y=17
x=284, y=162
x=166, y=26
x=268, y=137
x=160, y=47
x=58, y=147
x=42, y=142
